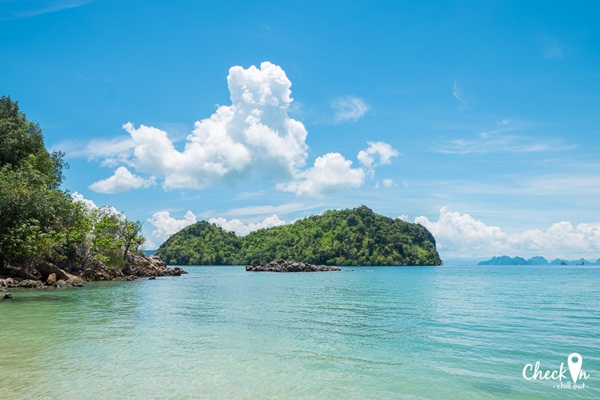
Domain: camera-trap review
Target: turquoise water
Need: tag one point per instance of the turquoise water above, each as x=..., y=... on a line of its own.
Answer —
x=375, y=333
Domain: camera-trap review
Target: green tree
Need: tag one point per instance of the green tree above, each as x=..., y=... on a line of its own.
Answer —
x=343, y=237
x=39, y=221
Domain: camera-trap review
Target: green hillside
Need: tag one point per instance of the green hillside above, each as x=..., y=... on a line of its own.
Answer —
x=345, y=237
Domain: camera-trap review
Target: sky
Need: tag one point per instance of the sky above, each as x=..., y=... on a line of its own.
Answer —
x=479, y=120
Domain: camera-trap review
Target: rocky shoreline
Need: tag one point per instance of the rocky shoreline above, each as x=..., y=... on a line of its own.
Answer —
x=288, y=266
x=49, y=275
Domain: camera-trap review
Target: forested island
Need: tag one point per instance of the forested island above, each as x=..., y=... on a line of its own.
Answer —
x=337, y=237
x=46, y=236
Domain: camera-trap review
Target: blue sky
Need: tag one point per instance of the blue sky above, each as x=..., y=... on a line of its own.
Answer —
x=479, y=120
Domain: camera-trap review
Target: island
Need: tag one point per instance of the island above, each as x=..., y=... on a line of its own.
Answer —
x=349, y=237
x=538, y=260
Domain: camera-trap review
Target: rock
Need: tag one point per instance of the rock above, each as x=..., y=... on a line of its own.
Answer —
x=60, y=283
x=75, y=281
x=18, y=272
x=287, y=266
x=45, y=272
x=7, y=296
x=51, y=279
x=46, y=268
x=152, y=278
x=30, y=283
x=8, y=283
x=142, y=266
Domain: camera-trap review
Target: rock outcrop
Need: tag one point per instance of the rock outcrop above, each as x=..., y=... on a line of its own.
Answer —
x=288, y=266
x=142, y=266
x=47, y=274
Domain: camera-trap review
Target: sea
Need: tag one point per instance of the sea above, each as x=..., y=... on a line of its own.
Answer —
x=450, y=332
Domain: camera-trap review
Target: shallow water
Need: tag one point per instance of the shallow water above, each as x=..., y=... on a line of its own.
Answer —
x=388, y=332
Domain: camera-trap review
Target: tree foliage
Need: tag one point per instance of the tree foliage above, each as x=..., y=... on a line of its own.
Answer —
x=345, y=237
x=38, y=220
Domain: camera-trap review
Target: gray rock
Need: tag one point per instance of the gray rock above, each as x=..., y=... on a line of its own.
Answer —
x=288, y=266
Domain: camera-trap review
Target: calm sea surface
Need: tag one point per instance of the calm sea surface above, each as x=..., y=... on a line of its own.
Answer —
x=370, y=333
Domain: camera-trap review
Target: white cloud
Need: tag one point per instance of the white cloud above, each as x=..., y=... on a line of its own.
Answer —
x=166, y=226
x=461, y=236
x=330, y=173
x=387, y=183
x=348, y=109
x=254, y=136
x=459, y=96
x=121, y=181
x=403, y=217
x=242, y=229
x=381, y=149
x=115, y=148
x=28, y=9
x=78, y=197
x=500, y=140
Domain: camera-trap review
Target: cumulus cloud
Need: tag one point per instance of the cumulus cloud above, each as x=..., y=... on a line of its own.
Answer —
x=330, y=173
x=348, y=109
x=254, y=136
x=165, y=226
x=242, y=229
x=462, y=236
x=122, y=181
x=78, y=197
x=378, y=153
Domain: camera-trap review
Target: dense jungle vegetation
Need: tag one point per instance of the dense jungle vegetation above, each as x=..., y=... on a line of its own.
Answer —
x=40, y=221
x=344, y=237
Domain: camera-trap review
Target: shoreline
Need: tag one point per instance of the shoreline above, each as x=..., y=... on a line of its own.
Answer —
x=45, y=275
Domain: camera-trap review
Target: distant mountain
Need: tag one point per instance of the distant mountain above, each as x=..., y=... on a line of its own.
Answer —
x=341, y=237
x=537, y=261
x=506, y=260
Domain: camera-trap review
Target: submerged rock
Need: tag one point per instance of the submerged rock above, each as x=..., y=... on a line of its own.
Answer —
x=7, y=296
x=288, y=266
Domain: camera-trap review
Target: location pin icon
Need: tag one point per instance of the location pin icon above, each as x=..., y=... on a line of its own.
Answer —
x=575, y=362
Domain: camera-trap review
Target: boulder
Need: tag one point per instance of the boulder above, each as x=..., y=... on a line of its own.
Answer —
x=51, y=279
x=143, y=266
x=7, y=296
x=75, y=281
x=60, y=283
x=46, y=268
